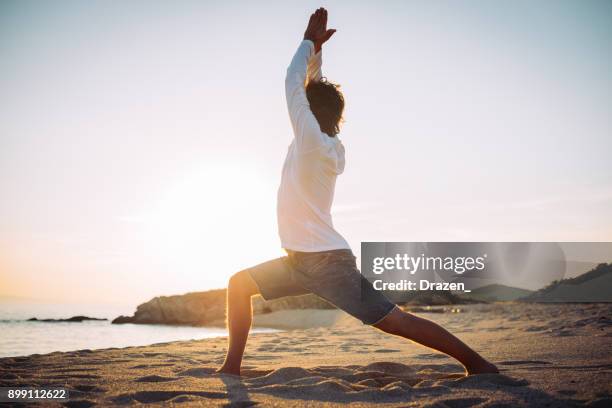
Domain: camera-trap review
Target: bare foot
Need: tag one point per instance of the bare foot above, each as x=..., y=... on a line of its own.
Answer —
x=483, y=367
x=228, y=370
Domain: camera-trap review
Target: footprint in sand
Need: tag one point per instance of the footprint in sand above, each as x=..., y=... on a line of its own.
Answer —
x=152, y=354
x=71, y=376
x=388, y=367
x=150, y=397
x=258, y=357
x=280, y=349
x=8, y=376
x=79, y=404
x=88, y=388
x=81, y=391
x=199, y=372
x=281, y=376
x=155, y=379
x=522, y=362
x=73, y=369
x=334, y=370
x=431, y=356
x=141, y=366
x=461, y=402
x=443, y=368
x=475, y=381
x=253, y=372
x=107, y=361
x=351, y=348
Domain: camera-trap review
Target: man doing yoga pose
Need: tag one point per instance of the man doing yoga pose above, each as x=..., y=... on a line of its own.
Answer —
x=319, y=260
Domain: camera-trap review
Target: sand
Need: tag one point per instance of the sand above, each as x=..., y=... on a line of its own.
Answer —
x=549, y=355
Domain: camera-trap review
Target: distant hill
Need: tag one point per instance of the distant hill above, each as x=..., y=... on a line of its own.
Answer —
x=497, y=293
x=593, y=286
x=202, y=308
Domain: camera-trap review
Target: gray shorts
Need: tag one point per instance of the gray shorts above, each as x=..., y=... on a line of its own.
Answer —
x=331, y=275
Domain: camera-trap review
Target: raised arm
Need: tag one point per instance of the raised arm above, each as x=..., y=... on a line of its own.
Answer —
x=306, y=66
x=314, y=67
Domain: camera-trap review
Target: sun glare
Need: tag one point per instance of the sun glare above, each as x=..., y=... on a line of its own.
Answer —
x=214, y=222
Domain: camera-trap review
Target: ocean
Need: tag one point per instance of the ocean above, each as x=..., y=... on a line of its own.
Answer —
x=19, y=337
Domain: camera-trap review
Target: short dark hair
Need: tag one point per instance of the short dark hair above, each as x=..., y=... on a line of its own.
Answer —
x=327, y=104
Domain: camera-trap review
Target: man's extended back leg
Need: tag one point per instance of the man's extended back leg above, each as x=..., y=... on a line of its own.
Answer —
x=432, y=335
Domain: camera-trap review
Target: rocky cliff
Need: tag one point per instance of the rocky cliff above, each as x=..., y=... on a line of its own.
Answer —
x=203, y=308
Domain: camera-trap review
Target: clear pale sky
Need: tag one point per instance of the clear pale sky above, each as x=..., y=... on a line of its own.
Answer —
x=141, y=143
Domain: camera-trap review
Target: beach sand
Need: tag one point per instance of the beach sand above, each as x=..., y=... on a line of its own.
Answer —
x=549, y=355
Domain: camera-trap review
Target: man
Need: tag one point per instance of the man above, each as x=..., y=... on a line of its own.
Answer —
x=319, y=260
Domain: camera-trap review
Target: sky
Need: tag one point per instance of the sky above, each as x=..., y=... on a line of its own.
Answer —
x=141, y=142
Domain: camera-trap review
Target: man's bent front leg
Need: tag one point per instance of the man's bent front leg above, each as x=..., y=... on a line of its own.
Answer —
x=239, y=317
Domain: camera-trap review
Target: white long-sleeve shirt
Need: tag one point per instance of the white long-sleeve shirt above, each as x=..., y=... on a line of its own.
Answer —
x=313, y=162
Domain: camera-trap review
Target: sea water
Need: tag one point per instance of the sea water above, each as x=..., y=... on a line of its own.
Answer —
x=19, y=337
